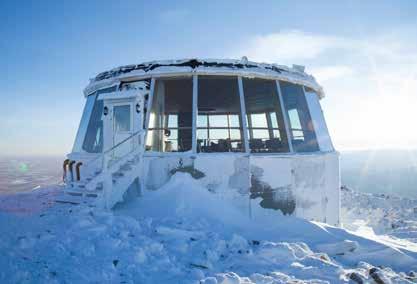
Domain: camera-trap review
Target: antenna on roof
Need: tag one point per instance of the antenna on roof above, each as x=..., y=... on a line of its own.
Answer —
x=244, y=60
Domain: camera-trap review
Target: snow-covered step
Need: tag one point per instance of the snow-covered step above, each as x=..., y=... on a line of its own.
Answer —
x=122, y=174
x=74, y=199
x=83, y=192
x=126, y=167
x=99, y=186
x=118, y=174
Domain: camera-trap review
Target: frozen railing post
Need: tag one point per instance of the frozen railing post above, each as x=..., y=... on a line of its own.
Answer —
x=107, y=181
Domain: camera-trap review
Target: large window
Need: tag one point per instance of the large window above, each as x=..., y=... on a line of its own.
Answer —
x=93, y=135
x=319, y=123
x=219, y=125
x=170, y=122
x=303, y=137
x=82, y=129
x=219, y=117
x=264, y=116
x=93, y=142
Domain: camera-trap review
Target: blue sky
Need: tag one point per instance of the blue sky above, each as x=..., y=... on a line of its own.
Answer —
x=364, y=55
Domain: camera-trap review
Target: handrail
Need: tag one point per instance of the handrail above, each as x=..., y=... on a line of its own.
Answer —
x=77, y=170
x=102, y=155
x=121, y=142
x=64, y=166
x=71, y=170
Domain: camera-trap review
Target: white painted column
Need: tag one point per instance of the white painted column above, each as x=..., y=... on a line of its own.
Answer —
x=148, y=111
x=195, y=113
x=285, y=116
x=243, y=115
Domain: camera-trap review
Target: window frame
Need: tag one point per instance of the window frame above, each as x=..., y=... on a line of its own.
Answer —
x=80, y=137
x=323, y=126
x=289, y=129
x=269, y=128
x=285, y=116
x=208, y=128
x=244, y=126
x=241, y=128
x=131, y=116
x=149, y=106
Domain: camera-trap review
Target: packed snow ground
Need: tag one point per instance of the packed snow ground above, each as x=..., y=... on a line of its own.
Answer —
x=183, y=233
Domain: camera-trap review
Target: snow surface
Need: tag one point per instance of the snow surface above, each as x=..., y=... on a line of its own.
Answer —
x=183, y=233
x=306, y=186
x=380, y=214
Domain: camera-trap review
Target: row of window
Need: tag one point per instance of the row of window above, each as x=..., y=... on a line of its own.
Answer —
x=219, y=126
x=219, y=109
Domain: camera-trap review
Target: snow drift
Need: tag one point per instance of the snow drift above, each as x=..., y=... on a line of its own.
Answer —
x=184, y=233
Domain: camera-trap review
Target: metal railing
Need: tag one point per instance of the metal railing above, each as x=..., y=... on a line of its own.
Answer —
x=110, y=156
x=114, y=154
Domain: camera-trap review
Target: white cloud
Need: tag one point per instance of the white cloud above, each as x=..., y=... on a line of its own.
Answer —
x=289, y=45
x=371, y=83
x=326, y=73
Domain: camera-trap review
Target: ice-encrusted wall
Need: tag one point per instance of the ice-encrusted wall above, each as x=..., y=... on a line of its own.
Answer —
x=306, y=186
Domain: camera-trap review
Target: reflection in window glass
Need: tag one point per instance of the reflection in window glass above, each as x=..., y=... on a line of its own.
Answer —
x=82, y=129
x=234, y=120
x=319, y=122
x=303, y=137
x=274, y=119
x=219, y=127
x=202, y=121
x=264, y=117
x=294, y=120
x=216, y=134
x=121, y=118
x=170, y=122
x=93, y=141
x=218, y=120
x=258, y=120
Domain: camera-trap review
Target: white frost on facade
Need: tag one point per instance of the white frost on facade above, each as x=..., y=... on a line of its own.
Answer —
x=256, y=129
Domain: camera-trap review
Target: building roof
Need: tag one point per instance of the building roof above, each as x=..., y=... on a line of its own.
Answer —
x=241, y=67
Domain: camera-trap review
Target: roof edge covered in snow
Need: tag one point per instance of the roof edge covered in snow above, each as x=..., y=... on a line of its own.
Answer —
x=241, y=67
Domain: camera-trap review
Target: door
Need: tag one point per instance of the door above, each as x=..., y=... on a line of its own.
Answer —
x=122, y=129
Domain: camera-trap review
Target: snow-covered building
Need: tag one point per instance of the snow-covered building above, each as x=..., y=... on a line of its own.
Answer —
x=257, y=129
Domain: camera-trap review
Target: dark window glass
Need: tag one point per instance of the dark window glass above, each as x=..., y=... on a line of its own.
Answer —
x=85, y=119
x=121, y=118
x=264, y=117
x=219, y=126
x=93, y=142
x=319, y=123
x=303, y=137
x=171, y=116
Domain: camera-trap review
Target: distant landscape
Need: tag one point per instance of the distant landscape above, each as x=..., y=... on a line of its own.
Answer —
x=381, y=171
x=20, y=174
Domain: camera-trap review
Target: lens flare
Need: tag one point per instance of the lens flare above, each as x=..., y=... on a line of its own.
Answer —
x=23, y=167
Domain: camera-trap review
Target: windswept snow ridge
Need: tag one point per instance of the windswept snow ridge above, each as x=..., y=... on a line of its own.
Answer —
x=384, y=214
x=183, y=233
